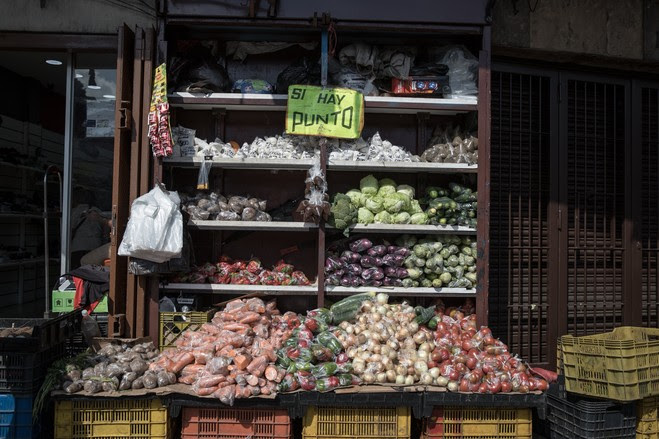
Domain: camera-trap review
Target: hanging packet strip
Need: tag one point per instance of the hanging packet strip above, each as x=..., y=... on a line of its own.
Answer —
x=160, y=134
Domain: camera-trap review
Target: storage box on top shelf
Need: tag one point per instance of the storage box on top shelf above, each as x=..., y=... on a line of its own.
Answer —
x=620, y=365
x=111, y=418
x=221, y=423
x=356, y=423
x=478, y=422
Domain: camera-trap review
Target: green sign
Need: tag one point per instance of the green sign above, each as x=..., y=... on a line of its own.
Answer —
x=327, y=112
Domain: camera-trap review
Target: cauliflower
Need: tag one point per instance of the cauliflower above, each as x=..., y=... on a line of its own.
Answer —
x=369, y=185
x=364, y=216
x=343, y=213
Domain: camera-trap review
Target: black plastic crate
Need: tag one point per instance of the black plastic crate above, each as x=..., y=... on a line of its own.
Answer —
x=77, y=344
x=44, y=332
x=573, y=417
x=23, y=372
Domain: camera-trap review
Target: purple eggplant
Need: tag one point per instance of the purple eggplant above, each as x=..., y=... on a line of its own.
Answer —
x=333, y=279
x=368, y=261
x=402, y=251
x=346, y=281
x=392, y=282
x=332, y=264
x=391, y=249
x=390, y=271
x=376, y=283
x=356, y=282
x=355, y=269
x=373, y=273
x=341, y=272
x=378, y=250
x=401, y=273
x=361, y=245
x=350, y=257
x=378, y=261
x=389, y=260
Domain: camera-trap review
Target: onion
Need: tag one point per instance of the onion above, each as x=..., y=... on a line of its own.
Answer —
x=344, y=324
x=425, y=346
x=401, y=370
x=381, y=299
x=376, y=317
x=375, y=358
x=400, y=379
x=367, y=306
x=413, y=327
x=453, y=386
x=381, y=377
x=422, y=355
x=426, y=378
x=349, y=329
x=419, y=337
x=391, y=376
x=434, y=372
x=369, y=378
x=361, y=339
x=393, y=344
x=358, y=368
x=409, y=380
x=351, y=352
x=420, y=366
x=393, y=355
x=381, y=309
x=442, y=381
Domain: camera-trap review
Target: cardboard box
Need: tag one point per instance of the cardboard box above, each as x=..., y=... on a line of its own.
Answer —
x=62, y=301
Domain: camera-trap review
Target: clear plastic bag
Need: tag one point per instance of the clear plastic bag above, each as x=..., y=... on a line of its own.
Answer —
x=155, y=227
x=463, y=70
x=204, y=170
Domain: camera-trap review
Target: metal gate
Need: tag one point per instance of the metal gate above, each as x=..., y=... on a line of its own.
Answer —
x=574, y=215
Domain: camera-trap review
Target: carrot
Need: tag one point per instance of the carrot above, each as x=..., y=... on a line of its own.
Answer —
x=265, y=390
x=191, y=369
x=271, y=373
x=210, y=328
x=188, y=379
x=248, y=317
x=185, y=359
x=257, y=366
x=205, y=391
x=262, y=382
x=255, y=391
x=280, y=375
x=241, y=361
x=235, y=327
x=210, y=381
x=252, y=380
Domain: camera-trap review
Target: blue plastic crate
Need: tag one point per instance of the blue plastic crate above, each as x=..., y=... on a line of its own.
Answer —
x=16, y=417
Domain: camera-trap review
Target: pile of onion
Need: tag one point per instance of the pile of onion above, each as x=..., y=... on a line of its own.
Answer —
x=471, y=360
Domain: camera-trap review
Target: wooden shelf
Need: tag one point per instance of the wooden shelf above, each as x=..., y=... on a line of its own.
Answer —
x=292, y=290
x=277, y=102
x=265, y=226
x=363, y=166
x=410, y=228
x=402, y=291
x=269, y=164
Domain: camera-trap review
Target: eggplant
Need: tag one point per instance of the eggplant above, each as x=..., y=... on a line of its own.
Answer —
x=351, y=257
x=378, y=250
x=355, y=269
x=360, y=245
x=369, y=261
x=332, y=264
x=391, y=272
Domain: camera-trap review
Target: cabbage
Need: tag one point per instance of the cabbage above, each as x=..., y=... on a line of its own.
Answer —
x=356, y=197
x=374, y=204
x=406, y=189
x=387, y=182
x=402, y=218
x=383, y=217
x=415, y=207
x=364, y=216
x=387, y=187
x=396, y=202
x=369, y=185
x=419, y=218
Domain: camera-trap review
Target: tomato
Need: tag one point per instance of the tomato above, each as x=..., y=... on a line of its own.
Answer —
x=467, y=345
x=333, y=381
x=472, y=362
x=311, y=325
x=464, y=385
x=482, y=388
x=472, y=377
x=436, y=356
x=542, y=385
x=506, y=387
x=454, y=375
x=445, y=354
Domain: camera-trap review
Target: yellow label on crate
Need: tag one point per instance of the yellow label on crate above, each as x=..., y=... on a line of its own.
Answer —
x=327, y=112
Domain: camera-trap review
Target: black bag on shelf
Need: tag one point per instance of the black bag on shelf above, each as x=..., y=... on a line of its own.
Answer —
x=305, y=71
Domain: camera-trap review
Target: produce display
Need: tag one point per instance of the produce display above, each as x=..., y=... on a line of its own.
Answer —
x=116, y=367
x=451, y=145
x=376, y=201
x=373, y=149
x=242, y=272
x=361, y=263
x=232, y=356
x=215, y=206
x=433, y=261
x=313, y=357
x=273, y=147
x=456, y=206
x=440, y=261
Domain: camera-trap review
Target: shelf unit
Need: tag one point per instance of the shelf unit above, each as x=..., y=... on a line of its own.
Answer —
x=230, y=116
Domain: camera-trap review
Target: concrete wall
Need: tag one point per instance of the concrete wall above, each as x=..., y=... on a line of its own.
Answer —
x=74, y=16
x=615, y=28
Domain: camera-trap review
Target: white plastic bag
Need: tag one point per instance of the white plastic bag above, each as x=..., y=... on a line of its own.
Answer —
x=155, y=227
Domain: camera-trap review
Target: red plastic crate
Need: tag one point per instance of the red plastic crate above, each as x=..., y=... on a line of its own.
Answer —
x=221, y=423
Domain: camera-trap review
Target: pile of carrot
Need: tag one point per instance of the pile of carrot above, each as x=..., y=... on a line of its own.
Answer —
x=233, y=356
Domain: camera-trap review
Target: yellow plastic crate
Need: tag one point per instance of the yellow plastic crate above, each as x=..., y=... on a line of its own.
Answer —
x=647, y=418
x=356, y=423
x=172, y=325
x=478, y=423
x=620, y=365
x=111, y=419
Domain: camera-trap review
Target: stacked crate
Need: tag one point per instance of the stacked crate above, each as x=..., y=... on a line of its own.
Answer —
x=619, y=368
